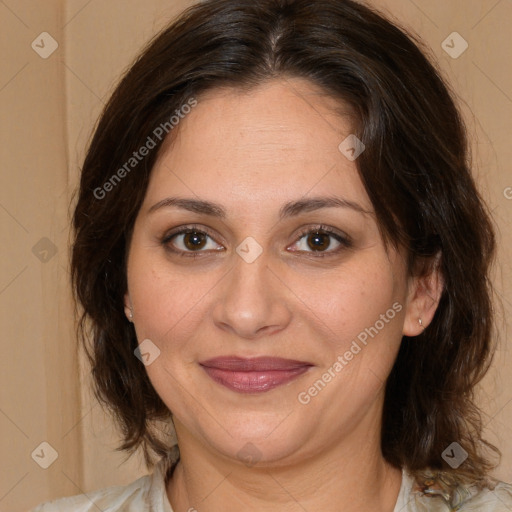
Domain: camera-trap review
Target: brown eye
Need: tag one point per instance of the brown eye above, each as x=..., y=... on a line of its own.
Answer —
x=321, y=241
x=318, y=241
x=190, y=241
x=194, y=240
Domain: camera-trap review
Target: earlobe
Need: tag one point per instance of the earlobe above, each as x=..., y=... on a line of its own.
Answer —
x=128, y=308
x=425, y=292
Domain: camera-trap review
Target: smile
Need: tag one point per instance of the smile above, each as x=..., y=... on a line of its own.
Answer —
x=254, y=375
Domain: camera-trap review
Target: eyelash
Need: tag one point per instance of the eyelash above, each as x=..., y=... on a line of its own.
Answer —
x=320, y=229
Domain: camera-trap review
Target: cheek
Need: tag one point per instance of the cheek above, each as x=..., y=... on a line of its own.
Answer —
x=168, y=310
x=359, y=332
x=165, y=302
x=353, y=299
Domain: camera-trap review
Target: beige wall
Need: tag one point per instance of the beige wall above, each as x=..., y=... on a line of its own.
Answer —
x=48, y=109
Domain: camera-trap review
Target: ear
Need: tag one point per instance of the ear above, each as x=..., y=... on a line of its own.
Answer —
x=424, y=293
x=128, y=308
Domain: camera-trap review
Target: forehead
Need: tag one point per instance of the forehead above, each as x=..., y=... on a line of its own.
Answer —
x=278, y=139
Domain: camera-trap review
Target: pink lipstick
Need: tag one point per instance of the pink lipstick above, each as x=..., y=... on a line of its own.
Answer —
x=253, y=375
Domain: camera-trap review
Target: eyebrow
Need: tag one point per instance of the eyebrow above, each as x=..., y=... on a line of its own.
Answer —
x=290, y=209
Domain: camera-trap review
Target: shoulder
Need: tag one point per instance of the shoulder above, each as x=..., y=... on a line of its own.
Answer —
x=143, y=495
x=498, y=499
x=441, y=493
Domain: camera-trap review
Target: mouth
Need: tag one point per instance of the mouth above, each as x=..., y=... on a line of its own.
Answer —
x=253, y=375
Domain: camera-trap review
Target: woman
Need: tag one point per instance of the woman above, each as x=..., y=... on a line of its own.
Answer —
x=282, y=258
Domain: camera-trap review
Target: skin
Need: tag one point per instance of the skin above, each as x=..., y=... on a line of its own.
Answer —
x=252, y=152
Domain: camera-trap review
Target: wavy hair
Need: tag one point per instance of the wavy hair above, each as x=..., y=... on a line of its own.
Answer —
x=415, y=169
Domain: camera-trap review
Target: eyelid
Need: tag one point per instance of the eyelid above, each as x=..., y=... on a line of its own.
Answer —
x=340, y=237
x=181, y=230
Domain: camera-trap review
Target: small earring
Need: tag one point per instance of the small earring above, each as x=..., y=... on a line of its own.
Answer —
x=128, y=311
x=420, y=321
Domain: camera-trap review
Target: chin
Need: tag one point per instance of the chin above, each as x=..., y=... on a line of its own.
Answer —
x=260, y=445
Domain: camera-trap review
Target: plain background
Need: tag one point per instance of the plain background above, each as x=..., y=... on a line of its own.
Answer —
x=49, y=107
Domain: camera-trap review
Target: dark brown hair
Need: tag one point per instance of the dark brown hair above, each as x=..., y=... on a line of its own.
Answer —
x=415, y=170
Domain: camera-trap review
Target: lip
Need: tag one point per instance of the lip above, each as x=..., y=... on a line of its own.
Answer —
x=253, y=375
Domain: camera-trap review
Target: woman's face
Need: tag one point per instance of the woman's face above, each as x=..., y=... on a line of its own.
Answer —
x=257, y=281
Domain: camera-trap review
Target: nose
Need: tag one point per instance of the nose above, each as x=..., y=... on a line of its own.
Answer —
x=252, y=302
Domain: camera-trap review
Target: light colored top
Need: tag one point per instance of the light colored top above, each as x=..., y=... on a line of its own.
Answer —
x=148, y=494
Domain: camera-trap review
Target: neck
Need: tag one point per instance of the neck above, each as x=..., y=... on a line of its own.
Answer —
x=351, y=476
